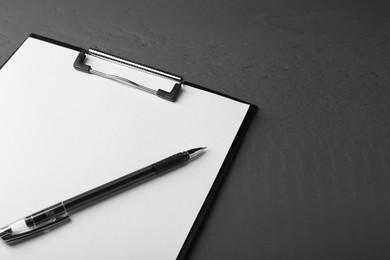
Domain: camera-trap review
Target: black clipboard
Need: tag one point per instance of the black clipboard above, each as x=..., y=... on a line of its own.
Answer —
x=173, y=95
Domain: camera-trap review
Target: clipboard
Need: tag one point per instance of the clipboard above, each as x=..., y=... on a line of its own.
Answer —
x=66, y=131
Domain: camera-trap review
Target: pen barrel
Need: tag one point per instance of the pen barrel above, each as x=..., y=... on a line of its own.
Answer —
x=108, y=189
x=45, y=215
x=171, y=162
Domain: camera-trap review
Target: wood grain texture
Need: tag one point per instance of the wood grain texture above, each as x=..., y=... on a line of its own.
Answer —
x=312, y=180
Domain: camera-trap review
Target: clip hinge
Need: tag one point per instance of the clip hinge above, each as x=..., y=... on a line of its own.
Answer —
x=10, y=238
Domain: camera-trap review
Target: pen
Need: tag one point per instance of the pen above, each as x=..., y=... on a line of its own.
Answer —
x=58, y=214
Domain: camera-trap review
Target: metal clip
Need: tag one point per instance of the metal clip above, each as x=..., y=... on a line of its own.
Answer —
x=7, y=235
x=170, y=96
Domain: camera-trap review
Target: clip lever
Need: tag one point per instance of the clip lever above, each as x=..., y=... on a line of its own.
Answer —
x=7, y=235
x=170, y=96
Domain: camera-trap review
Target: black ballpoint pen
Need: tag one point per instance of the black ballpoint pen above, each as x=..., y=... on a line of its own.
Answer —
x=51, y=217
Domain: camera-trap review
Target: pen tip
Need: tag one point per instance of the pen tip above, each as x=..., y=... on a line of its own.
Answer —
x=201, y=149
x=195, y=152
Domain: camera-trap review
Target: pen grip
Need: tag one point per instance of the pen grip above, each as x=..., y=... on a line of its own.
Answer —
x=171, y=162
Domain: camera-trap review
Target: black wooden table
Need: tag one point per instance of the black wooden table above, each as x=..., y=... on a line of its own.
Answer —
x=312, y=178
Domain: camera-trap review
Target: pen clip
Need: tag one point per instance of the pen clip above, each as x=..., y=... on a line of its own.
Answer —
x=11, y=238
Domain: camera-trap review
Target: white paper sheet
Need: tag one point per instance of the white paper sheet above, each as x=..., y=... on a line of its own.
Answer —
x=63, y=132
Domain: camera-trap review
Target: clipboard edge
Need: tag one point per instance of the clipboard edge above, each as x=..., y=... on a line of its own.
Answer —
x=56, y=42
x=221, y=176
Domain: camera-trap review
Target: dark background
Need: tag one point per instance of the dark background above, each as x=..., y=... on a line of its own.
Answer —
x=312, y=178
